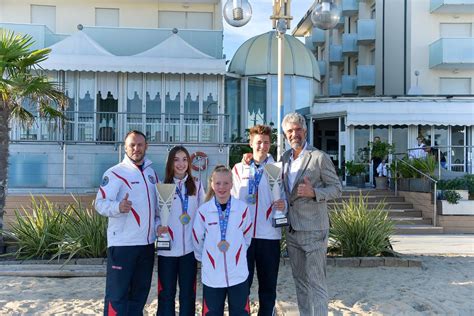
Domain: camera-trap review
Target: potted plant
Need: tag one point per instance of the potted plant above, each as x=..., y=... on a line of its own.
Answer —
x=427, y=165
x=355, y=174
x=380, y=151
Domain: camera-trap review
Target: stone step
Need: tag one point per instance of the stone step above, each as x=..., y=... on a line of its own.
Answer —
x=370, y=192
x=406, y=220
x=371, y=205
x=372, y=198
x=404, y=213
x=417, y=230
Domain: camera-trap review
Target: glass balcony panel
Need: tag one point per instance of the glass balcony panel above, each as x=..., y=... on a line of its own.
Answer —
x=318, y=36
x=349, y=44
x=322, y=67
x=349, y=84
x=335, y=54
x=334, y=89
x=452, y=6
x=350, y=7
x=366, y=31
x=365, y=75
x=450, y=53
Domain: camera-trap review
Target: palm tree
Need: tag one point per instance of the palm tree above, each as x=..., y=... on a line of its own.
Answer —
x=21, y=81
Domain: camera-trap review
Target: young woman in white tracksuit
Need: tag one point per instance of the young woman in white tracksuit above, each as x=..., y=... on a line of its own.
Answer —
x=178, y=265
x=221, y=234
x=251, y=185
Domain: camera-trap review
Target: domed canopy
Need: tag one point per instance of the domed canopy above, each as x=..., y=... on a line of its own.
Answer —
x=259, y=56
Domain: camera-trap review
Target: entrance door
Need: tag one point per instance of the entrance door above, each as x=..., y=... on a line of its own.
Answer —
x=326, y=137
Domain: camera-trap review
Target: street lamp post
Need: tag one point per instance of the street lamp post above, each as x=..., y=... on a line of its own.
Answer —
x=325, y=16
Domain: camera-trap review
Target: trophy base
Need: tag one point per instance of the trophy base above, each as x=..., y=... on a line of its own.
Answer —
x=280, y=221
x=163, y=245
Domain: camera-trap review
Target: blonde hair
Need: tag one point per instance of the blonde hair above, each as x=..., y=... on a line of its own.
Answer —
x=221, y=169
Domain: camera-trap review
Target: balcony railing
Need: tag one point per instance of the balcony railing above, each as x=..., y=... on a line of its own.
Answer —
x=365, y=31
x=449, y=53
x=335, y=54
x=308, y=42
x=365, y=75
x=349, y=44
x=111, y=127
x=322, y=67
x=452, y=6
x=350, y=7
x=349, y=84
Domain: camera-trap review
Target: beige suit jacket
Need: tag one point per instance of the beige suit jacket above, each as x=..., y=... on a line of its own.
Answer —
x=307, y=214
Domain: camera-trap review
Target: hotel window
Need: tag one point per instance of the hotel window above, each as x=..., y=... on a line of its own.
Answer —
x=185, y=20
x=451, y=86
x=107, y=17
x=453, y=30
x=373, y=12
x=44, y=14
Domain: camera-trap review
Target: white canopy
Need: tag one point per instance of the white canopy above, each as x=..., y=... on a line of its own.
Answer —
x=403, y=112
x=174, y=55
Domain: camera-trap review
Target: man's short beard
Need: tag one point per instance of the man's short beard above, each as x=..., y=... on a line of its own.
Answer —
x=133, y=160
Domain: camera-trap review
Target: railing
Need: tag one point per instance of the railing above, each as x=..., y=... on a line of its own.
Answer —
x=397, y=160
x=111, y=127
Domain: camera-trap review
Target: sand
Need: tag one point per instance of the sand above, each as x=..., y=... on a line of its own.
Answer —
x=445, y=285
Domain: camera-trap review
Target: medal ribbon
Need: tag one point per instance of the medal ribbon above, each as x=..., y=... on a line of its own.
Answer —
x=223, y=217
x=184, y=200
x=255, y=176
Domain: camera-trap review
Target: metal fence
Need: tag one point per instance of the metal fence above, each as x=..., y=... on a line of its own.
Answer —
x=111, y=127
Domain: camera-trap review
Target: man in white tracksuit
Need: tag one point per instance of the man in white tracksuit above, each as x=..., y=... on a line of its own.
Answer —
x=251, y=186
x=127, y=196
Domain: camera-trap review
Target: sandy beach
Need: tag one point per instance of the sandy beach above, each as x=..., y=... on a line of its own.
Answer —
x=445, y=285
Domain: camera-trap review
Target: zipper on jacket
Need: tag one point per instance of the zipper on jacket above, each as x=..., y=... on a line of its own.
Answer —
x=184, y=241
x=256, y=212
x=149, y=206
x=225, y=269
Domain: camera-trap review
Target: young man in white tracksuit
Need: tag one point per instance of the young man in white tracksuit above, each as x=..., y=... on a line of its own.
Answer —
x=251, y=186
x=127, y=196
x=178, y=265
x=221, y=234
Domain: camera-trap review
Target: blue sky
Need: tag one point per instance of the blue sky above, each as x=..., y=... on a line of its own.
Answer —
x=260, y=23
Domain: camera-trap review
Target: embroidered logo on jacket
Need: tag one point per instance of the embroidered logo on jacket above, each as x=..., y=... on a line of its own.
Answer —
x=152, y=179
x=105, y=181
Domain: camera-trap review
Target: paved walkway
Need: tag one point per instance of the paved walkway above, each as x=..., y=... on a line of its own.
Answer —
x=434, y=244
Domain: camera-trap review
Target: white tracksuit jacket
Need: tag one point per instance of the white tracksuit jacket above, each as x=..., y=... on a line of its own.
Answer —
x=136, y=227
x=181, y=235
x=222, y=269
x=261, y=212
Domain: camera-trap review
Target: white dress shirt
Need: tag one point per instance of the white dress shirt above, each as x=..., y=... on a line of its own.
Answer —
x=295, y=166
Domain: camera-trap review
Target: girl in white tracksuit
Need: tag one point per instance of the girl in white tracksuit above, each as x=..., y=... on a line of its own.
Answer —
x=221, y=234
x=178, y=264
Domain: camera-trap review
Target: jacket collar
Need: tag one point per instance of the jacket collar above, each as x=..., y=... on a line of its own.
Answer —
x=126, y=160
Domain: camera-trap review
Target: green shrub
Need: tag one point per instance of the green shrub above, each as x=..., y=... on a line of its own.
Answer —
x=463, y=183
x=37, y=233
x=358, y=231
x=51, y=232
x=451, y=196
x=354, y=169
x=86, y=232
x=426, y=165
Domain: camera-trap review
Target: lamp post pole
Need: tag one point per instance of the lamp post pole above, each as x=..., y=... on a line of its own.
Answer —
x=281, y=22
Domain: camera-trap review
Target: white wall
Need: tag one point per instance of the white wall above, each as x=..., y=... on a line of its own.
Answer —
x=424, y=29
x=137, y=13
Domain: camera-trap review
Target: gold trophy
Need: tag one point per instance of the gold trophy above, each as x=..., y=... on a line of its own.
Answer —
x=273, y=172
x=165, y=198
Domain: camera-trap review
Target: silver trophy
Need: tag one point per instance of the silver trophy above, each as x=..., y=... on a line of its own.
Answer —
x=273, y=172
x=165, y=198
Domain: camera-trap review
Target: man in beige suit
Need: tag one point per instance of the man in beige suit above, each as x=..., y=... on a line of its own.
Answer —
x=309, y=180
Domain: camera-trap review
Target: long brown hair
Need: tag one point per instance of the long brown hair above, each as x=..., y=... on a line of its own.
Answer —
x=210, y=192
x=190, y=184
